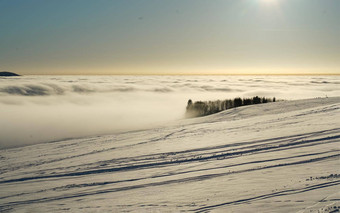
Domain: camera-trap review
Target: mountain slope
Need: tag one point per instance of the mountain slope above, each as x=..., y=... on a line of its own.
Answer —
x=276, y=157
x=8, y=74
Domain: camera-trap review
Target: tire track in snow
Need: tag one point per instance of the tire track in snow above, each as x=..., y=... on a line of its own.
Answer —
x=169, y=174
x=154, y=157
x=253, y=150
x=270, y=195
x=215, y=152
x=175, y=181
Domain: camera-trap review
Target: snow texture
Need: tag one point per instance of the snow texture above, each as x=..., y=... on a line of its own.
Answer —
x=275, y=157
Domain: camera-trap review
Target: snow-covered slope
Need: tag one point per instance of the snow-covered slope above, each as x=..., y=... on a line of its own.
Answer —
x=275, y=157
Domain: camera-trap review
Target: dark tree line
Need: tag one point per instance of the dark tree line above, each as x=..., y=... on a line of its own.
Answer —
x=203, y=108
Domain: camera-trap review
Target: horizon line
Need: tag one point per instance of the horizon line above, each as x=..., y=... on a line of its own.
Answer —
x=198, y=74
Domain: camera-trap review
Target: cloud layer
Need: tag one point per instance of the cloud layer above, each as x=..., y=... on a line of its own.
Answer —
x=44, y=108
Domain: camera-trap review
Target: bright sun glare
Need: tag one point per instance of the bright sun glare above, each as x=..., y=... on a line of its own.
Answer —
x=268, y=1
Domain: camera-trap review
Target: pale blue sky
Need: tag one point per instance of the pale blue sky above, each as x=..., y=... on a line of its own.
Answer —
x=170, y=36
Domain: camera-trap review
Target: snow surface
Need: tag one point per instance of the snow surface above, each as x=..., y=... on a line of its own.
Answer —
x=275, y=157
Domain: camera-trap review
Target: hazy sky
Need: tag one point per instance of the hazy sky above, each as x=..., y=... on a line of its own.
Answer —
x=170, y=36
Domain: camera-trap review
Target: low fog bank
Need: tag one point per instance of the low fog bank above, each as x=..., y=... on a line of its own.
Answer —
x=49, y=119
x=47, y=108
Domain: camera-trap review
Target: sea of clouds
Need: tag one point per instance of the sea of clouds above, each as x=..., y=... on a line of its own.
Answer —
x=35, y=109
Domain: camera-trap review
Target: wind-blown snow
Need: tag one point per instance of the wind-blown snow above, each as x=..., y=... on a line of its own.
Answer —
x=35, y=109
x=275, y=157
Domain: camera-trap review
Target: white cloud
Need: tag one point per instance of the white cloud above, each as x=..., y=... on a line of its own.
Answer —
x=43, y=108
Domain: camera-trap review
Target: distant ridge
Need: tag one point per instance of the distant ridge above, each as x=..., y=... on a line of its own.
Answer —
x=8, y=74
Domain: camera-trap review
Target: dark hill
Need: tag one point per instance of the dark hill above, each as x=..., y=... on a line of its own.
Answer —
x=8, y=74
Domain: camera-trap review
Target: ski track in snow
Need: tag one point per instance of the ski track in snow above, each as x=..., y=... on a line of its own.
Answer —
x=260, y=158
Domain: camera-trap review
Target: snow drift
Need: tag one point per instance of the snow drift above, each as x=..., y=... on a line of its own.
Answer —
x=275, y=157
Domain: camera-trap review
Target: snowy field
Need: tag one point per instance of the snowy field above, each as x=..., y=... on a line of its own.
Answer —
x=275, y=157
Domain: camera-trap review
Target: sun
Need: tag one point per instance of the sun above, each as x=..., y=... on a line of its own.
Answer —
x=268, y=1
